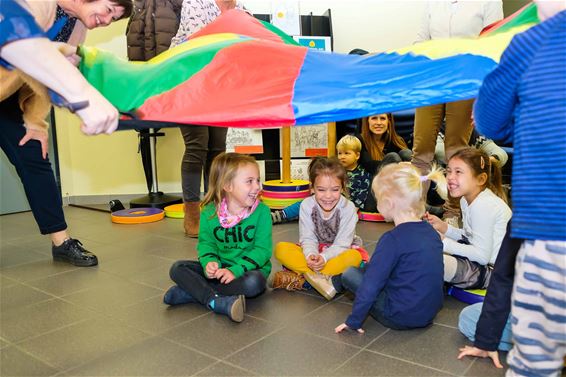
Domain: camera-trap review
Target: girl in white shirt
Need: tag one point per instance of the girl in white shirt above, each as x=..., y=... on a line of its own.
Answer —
x=470, y=252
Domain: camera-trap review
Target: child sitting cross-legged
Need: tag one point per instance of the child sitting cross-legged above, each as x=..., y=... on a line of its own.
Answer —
x=234, y=246
x=402, y=285
x=328, y=244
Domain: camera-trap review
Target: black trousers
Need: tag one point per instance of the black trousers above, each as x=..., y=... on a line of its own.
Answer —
x=35, y=173
x=190, y=276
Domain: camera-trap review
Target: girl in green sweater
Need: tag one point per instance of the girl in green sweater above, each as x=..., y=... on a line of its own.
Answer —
x=234, y=244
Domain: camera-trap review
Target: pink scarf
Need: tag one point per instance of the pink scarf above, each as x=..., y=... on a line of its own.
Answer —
x=227, y=220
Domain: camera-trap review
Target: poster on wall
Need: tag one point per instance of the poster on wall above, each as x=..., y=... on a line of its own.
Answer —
x=318, y=43
x=309, y=141
x=299, y=169
x=286, y=16
x=244, y=140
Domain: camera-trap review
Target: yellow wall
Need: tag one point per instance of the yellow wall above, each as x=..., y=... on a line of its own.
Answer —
x=107, y=165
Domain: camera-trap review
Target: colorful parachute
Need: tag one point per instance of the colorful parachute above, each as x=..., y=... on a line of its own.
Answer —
x=240, y=72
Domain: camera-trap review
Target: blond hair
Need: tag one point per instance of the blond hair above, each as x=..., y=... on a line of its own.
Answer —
x=349, y=143
x=222, y=172
x=403, y=183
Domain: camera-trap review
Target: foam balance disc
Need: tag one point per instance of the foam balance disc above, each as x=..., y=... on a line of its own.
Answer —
x=137, y=215
x=279, y=186
x=175, y=211
x=285, y=195
x=469, y=296
x=370, y=216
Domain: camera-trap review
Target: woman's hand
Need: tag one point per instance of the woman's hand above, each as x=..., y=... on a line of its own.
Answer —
x=40, y=135
x=439, y=225
x=224, y=275
x=477, y=352
x=344, y=326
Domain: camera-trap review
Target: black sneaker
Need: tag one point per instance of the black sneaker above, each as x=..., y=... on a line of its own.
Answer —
x=73, y=252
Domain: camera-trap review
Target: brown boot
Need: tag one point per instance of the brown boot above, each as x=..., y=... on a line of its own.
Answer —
x=192, y=219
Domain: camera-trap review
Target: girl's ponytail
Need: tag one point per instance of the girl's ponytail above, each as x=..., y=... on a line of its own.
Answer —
x=437, y=176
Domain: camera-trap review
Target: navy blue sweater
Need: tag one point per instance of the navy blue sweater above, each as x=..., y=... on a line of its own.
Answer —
x=524, y=101
x=407, y=265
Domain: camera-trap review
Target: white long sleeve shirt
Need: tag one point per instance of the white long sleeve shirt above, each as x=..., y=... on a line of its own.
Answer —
x=448, y=19
x=484, y=225
x=196, y=14
x=308, y=232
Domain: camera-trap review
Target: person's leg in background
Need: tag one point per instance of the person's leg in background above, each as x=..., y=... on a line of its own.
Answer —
x=194, y=159
x=537, y=311
x=457, y=136
x=428, y=120
x=468, y=320
x=216, y=145
x=40, y=186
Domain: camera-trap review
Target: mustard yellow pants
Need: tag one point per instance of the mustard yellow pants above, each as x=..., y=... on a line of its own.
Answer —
x=291, y=256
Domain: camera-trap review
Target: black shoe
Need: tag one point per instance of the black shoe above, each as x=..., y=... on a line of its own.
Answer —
x=73, y=252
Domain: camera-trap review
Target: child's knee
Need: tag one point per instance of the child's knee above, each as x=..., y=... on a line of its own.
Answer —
x=282, y=248
x=174, y=270
x=254, y=284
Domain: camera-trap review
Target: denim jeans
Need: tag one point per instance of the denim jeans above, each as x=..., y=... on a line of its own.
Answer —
x=352, y=279
x=469, y=319
x=35, y=173
x=190, y=276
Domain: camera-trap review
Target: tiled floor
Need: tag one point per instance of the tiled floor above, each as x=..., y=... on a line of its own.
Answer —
x=110, y=321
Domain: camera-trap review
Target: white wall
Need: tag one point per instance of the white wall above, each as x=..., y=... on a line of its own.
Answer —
x=109, y=165
x=373, y=25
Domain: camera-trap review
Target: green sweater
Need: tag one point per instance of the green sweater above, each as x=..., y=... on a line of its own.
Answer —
x=244, y=247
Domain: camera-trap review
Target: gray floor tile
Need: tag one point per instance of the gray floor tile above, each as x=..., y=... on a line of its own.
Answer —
x=18, y=295
x=323, y=321
x=37, y=270
x=222, y=369
x=74, y=345
x=110, y=298
x=436, y=346
x=77, y=280
x=151, y=357
x=296, y=305
x=157, y=278
x=14, y=362
x=3, y=343
x=293, y=353
x=154, y=317
x=12, y=255
x=485, y=368
x=33, y=320
x=370, y=231
x=132, y=264
x=6, y=282
x=218, y=336
x=450, y=312
x=369, y=363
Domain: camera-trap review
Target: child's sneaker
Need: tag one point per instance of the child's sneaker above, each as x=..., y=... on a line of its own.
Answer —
x=322, y=284
x=289, y=280
x=231, y=306
x=278, y=217
x=177, y=296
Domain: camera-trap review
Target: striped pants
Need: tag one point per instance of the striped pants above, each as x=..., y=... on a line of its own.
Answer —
x=538, y=312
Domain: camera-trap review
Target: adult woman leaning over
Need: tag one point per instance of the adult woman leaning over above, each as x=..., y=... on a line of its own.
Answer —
x=24, y=102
